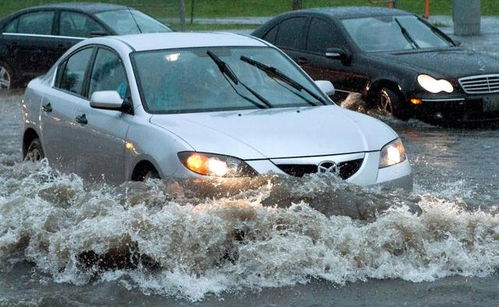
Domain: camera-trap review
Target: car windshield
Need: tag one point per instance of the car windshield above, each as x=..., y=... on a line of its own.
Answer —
x=189, y=80
x=131, y=22
x=392, y=33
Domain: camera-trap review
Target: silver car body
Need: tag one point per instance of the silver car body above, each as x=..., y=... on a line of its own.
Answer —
x=113, y=143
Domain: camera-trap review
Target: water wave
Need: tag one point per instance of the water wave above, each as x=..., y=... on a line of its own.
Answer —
x=189, y=239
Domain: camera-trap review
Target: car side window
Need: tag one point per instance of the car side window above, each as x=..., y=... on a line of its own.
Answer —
x=321, y=35
x=108, y=74
x=290, y=31
x=36, y=23
x=271, y=35
x=11, y=26
x=73, y=71
x=77, y=25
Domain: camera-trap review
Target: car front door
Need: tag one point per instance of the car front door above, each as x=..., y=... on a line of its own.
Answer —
x=347, y=76
x=288, y=38
x=59, y=107
x=74, y=27
x=31, y=41
x=101, y=135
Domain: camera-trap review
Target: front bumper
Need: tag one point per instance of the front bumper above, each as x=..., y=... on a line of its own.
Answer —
x=463, y=108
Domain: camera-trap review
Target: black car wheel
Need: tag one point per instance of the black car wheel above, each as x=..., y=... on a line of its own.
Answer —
x=150, y=174
x=391, y=103
x=6, y=77
x=34, y=152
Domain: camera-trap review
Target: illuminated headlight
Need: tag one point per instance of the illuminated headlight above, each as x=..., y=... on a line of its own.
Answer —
x=215, y=165
x=435, y=86
x=392, y=153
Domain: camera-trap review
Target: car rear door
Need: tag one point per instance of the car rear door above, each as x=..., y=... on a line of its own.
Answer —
x=59, y=107
x=347, y=76
x=101, y=135
x=32, y=42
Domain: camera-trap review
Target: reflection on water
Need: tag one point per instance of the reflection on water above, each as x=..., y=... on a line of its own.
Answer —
x=188, y=239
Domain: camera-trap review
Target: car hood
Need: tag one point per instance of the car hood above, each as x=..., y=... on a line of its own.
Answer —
x=279, y=132
x=445, y=63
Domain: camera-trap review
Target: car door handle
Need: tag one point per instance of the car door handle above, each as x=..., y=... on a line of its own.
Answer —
x=47, y=108
x=81, y=119
x=302, y=60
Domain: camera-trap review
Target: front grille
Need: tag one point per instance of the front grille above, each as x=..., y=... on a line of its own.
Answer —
x=346, y=169
x=484, y=84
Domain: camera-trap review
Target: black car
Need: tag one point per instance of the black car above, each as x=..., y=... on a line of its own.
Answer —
x=32, y=39
x=397, y=60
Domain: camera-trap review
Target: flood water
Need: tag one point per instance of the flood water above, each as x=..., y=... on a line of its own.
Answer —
x=276, y=241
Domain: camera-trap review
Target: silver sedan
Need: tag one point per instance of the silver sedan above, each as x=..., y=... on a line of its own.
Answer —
x=178, y=105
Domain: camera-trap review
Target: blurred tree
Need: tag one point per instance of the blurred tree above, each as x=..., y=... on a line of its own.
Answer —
x=297, y=4
x=181, y=12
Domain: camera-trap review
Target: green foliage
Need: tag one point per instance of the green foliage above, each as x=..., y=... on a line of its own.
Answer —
x=231, y=8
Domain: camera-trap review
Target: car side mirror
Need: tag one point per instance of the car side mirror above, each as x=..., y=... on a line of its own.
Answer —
x=326, y=87
x=106, y=100
x=339, y=54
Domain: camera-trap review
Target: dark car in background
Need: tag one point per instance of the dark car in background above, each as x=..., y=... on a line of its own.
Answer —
x=396, y=60
x=31, y=40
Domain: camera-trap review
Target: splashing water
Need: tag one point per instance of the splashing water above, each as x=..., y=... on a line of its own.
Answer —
x=187, y=245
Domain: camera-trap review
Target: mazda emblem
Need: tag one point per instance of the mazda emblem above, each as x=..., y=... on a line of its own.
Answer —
x=328, y=167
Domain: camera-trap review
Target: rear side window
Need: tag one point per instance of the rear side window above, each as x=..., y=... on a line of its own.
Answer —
x=291, y=32
x=321, y=35
x=77, y=25
x=73, y=71
x=36, y=23
x=12, y=26
x=108, y=74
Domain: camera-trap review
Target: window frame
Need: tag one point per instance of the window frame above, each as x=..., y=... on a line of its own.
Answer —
x=337, y=33
x=301, y=40
x=62, y=67
x=58, y=23
x=13, y=20
x=92, y=67
x=54, y=18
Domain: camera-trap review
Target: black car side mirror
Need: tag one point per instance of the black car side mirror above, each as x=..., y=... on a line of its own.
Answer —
x=339, y=54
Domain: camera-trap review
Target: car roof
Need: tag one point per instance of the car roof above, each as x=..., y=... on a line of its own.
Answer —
x=173, y=40
x=343, y=12
x=91, y=8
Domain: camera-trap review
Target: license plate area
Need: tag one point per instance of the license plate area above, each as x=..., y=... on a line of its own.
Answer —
x=491, y=103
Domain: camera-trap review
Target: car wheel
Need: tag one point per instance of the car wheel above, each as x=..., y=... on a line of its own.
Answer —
x=147, y=173
x=34, y=152
x=150, y=174
x=391, y=103
x=6, y=77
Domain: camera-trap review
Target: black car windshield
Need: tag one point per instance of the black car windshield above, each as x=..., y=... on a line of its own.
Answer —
x=188, y=80
x=393, y=33
x=131, y=22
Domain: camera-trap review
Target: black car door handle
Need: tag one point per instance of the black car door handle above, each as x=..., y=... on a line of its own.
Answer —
x=47, y=108
x=302, y=60
x=81, y=119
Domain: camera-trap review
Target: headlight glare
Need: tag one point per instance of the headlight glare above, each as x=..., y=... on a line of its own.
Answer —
x=392, y=153
x=433, y=85
x=215, y=165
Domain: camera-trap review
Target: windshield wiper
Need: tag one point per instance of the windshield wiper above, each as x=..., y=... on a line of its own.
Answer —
x=406, y=34
x=227, y=71
x=276, y=74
